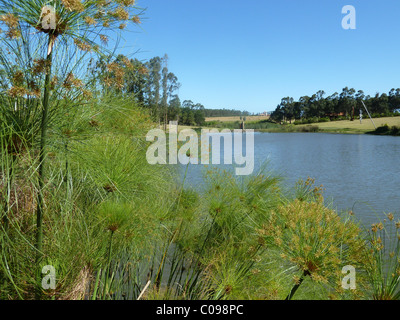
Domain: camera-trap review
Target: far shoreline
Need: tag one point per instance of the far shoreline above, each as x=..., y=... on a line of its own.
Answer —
x=385, y=126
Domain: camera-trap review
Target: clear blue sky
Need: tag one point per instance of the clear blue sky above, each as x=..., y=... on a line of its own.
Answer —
x=249, y=54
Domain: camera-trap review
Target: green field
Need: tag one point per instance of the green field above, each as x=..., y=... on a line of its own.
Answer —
x=357, y=127
x=344, y=126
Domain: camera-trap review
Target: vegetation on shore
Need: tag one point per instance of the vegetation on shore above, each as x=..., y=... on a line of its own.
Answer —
x=387, y=130
x=385, y=126
x=344, y=106
x=78, y=196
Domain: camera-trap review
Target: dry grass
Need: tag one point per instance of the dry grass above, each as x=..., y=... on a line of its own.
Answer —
x=80, y=286
x=232, y=119
x=355, y=125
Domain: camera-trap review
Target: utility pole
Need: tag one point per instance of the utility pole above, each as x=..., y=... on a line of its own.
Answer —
x=369, y=114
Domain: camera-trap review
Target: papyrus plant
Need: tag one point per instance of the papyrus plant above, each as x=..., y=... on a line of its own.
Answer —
x=382, y=264
x=59, y=25
x=315, y=240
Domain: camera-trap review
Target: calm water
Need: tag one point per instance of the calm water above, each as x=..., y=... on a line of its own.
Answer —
x=359, y=172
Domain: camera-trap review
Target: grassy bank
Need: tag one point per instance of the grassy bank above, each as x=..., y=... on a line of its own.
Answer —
x=355, y=127
x=387, y=130
x=387, y=126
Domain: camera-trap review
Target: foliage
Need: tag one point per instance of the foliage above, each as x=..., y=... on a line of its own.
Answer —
x=343, y=106
x=315, y=240
x=383, y=263
x=386, y=130
x=210, y=113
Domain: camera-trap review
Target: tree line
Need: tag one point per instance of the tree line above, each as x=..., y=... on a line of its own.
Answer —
x=225, y=113
x=154, y=87
x=346, y=105
x=151, y=85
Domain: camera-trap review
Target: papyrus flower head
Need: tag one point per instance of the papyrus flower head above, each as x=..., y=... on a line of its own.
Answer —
x=73, y=18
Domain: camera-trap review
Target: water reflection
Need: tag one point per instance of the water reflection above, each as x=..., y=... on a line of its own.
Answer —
x=359, y=172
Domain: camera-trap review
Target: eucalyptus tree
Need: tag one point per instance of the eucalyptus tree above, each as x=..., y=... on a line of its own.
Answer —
x=360, y=97
x=320, y=104
x=170, y=85
x=383, y=106
x=173, y=85
x=394, y=99
x=164, y=100
x=287, y=105
x=199, y=114
x=347, y=101
x=332, y=104
x=278, y=115
x=175, y=107
x=154, y=67
x=136, y=80
x=304, y=106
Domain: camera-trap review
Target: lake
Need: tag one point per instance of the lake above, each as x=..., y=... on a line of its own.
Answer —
x=359, y=172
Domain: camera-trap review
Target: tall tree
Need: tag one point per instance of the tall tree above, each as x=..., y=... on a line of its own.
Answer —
x=154, y=67
x=164, y=100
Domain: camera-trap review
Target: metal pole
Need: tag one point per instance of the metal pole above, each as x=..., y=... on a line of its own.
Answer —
x=369, y=114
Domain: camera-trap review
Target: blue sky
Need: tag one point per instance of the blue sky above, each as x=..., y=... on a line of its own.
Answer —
x=247, y=55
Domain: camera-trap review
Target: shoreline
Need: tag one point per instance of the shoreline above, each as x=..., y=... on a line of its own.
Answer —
x=299, y=130
x=385, y=126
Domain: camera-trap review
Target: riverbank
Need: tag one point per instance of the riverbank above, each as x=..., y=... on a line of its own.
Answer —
x=380, y=126
x=357, y=127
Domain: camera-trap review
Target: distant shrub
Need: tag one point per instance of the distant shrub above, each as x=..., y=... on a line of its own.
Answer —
x=395, y=131
x=309, y=129
x=386, y=130
x=382, y=115
x=313, y=120
x=382, y=129
x=212, y=123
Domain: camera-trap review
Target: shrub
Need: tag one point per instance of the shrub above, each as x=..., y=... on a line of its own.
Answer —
x=382, y=264
x=309, y=128
x=324, y=120
x=315, y=240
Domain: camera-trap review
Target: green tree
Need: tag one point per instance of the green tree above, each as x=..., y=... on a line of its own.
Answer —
x=174, y=108
x=347, y=102
x=154, y=79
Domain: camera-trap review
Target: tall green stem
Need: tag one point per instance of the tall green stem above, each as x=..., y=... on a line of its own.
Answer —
x=6, y=194
x=294, y=289
x=46, y=98
x=108, y=272
x=5, y=219
x=183, y=186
